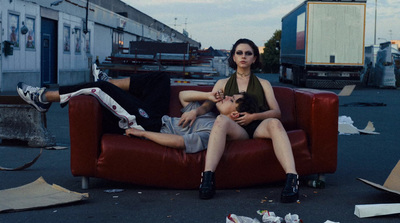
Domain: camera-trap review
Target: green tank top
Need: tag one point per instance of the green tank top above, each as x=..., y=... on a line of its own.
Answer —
x=254, y=89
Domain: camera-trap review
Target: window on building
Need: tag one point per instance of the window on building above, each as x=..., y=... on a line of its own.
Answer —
x=77, y=40
x=67, y=39
x=87, y=42
x=118, y=41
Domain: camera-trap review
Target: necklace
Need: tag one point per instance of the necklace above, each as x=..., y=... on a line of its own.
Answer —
x=242, y=74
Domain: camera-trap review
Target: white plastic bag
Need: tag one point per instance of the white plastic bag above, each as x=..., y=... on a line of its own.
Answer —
x=292, y=218
x=232, y=218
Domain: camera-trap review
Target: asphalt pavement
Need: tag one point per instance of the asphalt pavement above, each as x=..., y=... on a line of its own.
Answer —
x=371, y=157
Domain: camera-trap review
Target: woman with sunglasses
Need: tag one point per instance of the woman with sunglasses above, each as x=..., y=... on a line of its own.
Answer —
x=245, y=57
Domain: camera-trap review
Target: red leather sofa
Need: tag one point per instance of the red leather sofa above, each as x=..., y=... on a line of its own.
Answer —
x=310, y=118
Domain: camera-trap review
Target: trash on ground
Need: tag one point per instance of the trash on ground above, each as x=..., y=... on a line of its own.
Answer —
x=267, y=217
x=26, y=165
x=270, y=217
x=392, y=185
x=371, y=210
x=232, y=218
x=38, y=194
x=56, y=147
x=346, y=127
x=347, y=90
x=114, y=190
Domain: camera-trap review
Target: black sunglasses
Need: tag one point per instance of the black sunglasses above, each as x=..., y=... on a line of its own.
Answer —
x=247, y=53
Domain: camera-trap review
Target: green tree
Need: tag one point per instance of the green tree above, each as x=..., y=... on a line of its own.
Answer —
x=270, y=56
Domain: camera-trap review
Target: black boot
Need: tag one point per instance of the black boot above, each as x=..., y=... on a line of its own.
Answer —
x=290, y=192
x=207, y=186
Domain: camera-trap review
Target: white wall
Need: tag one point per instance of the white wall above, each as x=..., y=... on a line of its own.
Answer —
x=102, y=42
x=73, y=60
x=24, y=64
x=23, y=59
x=1, y=47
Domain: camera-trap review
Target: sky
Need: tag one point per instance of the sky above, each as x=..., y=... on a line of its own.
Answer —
x=219, y=23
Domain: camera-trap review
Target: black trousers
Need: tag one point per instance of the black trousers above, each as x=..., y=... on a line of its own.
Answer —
x=142, y=106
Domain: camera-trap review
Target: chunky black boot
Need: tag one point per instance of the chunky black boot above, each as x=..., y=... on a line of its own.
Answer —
x=290, y=192
x=207, y=186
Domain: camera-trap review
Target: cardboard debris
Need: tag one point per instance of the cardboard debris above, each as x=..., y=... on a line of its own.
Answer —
x=37, y=194
x=346, y=127
x=392, y=185
x=26, y=165
x=371, y=210
x=369, y=129
x=56, y=147
x=347, y=90
x=350, y=129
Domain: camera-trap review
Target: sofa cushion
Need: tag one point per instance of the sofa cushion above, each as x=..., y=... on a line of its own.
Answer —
x=244, y=163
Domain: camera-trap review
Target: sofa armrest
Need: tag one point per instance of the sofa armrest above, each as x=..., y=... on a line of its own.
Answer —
x=85, y=123
x=317, y=114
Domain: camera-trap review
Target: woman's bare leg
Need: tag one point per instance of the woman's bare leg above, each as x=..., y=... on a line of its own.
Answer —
x=224, y=129
x=273, y=129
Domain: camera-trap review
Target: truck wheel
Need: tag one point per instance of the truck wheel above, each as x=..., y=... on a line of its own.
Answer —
x=296, y=80
x=302, y=79
x=299, y=77
x=282, y=75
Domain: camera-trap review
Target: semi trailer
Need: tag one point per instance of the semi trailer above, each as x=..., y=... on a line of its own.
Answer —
x=322, y=43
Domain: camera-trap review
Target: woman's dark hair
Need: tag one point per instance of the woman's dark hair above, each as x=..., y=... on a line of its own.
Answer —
x=247, y=103
x=255, y=65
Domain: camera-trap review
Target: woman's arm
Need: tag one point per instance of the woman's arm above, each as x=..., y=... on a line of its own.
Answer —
x=170, y=140
x=209, y=98
x=185, y=97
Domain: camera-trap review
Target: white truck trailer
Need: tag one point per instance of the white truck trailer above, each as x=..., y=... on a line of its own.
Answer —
x=322, y=43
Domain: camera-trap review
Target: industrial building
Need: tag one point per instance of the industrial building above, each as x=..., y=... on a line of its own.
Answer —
x=54, y=42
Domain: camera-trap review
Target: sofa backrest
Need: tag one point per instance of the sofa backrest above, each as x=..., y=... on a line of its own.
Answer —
x=284, y=96
x=286, y=100
x=174, y=104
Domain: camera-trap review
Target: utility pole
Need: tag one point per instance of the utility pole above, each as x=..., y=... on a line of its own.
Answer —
x=375, y=22
x=85, y=29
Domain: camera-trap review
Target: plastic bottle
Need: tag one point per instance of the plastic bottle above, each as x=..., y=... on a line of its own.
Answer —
x=320, y=184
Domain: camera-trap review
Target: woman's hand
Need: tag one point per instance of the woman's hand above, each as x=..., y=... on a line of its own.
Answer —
x=244, y=118
x=134, y=132
x=187, y=118
x=216, y=96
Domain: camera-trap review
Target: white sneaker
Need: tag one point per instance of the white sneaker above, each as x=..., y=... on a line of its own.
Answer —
x=32, y=96
x=98, y=74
